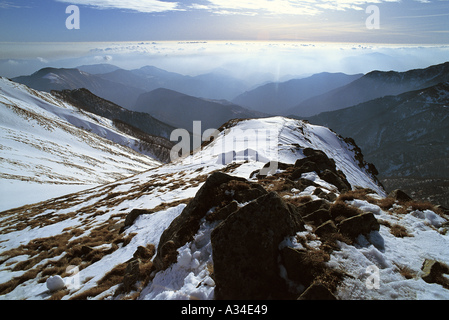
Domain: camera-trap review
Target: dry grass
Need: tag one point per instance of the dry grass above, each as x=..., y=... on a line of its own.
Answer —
x=405, y=271
x=80, y=252
x=340, y=211
x=399, y=231
x=385, y=203
x=361, y=194
x=298, y=201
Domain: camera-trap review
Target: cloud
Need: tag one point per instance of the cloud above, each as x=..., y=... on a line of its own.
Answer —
x=106, y=58
x=282, y=7
x=9, y=5
x=147, y=6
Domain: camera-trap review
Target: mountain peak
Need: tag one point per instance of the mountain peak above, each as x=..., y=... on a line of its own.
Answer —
x=220, y=224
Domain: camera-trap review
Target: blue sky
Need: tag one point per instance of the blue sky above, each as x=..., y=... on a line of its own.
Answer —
x=401, y=21
x=279, y=37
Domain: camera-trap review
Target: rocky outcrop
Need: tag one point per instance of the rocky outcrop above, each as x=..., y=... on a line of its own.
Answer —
x=315, y=161
x=218, y=192
x=435, y=272
x=245, y=249
x=251, y=223
x=400, y=195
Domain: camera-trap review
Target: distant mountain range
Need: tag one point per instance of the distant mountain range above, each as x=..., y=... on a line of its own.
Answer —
x=373, y=85
x=123, y=87
x=277, y=98
x=180, y=110
x=404, y=136
x=49, y=79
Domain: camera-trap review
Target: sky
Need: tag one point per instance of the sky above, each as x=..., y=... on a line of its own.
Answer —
x=36, y=33
x=400, y=21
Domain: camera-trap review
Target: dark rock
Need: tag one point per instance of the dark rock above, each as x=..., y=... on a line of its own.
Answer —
x=340, y=211
x=317, y=291
x=144, y=253
x=248, y=195
x=186, y=225
x=307, y=166
x=302, y=184
x=318, y=217
x=318, y=157
x=224, y=212
x=361, y=224
x=433, y=272
x=337, y=180
x=331, y=197
x=317, y=161
x=133, y=215
x=245, y=249
x=271, y=168
x=309, y=207
x=400, y=195
x=326, y=228
x=85, y=250
x=297, y=266
x=132, y=275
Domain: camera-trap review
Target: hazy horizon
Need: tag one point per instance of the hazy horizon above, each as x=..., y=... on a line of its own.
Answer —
x=271, y=60
x=282, y=38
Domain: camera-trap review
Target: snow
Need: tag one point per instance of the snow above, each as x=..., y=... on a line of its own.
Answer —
x=55, y=283
x=189, y=277
x=387, y=253
x=46, y=154
x=254, y=143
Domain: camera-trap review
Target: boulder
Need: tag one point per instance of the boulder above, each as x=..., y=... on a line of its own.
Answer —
x=271, y=168
x=132, y=274
x=132, y=216
x=318, y=217
x=361, y=224
x=245, y=249
x=219, y=188
x=400, y=195
x=311, y=206
x=338, y=179
x=433, y=272
x=297, y=265
x=224, y=212
x=306, y=166
x=326, y=228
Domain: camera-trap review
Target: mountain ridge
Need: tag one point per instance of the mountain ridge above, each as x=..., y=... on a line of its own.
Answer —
x=199, y=227
x=48, y=144
x=286, y=95
x=180, y=110
x=404, y=135
x=375, y=84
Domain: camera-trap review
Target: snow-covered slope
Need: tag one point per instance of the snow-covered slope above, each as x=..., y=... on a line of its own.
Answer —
x=110, y=242
x=49, y=148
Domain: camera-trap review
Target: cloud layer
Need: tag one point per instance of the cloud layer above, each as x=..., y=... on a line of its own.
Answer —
x=233, y=7
x=147, y=6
